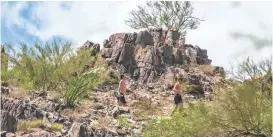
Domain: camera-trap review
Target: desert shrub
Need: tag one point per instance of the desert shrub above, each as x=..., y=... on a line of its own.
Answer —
x=45, y=66
x=240, y=108
x=79, y=86
x=179, y=125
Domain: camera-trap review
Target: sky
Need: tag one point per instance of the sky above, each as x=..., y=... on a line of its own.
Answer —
x=97, y=20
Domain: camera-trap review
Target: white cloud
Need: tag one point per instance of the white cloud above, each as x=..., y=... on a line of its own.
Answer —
x=221, y=20
x=96, y=21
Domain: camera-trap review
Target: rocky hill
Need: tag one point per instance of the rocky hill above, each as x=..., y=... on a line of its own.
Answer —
x=151, y=59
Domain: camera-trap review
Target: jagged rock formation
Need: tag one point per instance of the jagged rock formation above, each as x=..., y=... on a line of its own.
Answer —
x=89, y=44
x=21, y=109
x=147, y=54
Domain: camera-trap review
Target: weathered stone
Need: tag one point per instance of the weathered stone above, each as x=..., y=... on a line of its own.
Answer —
x=10, y=135
x=178, y=57
x=144, y=38
x=121, y=132
x=5, y=90
x=106, y=52
x=219, y=70
x=106, y=44
x=98, y=106
x=8, y=122
x=79, y=130
x=21, y=109
x=126, y=54
x=88, y=44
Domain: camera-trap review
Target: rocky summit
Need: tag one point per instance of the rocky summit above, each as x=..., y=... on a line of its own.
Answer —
x=151, y=59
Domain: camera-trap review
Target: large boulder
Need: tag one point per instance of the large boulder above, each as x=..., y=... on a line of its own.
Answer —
x=8, y=122
x=22, y=109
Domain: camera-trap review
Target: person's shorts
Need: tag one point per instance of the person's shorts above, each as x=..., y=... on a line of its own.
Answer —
x=177, y=99
x=121, y=98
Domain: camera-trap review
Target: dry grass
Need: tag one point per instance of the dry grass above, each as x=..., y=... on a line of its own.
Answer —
x=73, y=113
x=18, y=92
x=55, y=95
x=103, y=122
x=207, y=69
x=25, y=125
x=56, y=127
x=144, y=109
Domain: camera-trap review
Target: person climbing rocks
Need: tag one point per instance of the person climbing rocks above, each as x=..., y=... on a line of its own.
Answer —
x=122, y=90
x=178, y=94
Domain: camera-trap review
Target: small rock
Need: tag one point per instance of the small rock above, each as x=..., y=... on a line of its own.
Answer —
x=98, y=106
x=10, y=135
x=3, y=133
x=115, y=112
x=123, y=110
x=5, y=90
x=112, y=132
x=58, y=134
x=63, y=131
x=121, y=132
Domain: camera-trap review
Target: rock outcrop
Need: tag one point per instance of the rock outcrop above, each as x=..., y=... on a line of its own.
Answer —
x=8, y=122
x=21, y=109
x=149, y=53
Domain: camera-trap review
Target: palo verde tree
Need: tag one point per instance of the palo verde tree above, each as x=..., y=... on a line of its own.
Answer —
x=177, y=15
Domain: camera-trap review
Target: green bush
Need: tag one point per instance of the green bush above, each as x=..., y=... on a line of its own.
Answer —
x=45, y=66
x=79, y=86
x=240, y=108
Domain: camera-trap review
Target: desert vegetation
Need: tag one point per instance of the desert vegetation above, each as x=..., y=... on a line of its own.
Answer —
x=53, y=87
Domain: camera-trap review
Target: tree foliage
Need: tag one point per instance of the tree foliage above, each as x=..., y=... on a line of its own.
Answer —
x=44, y=66
x=176, y=15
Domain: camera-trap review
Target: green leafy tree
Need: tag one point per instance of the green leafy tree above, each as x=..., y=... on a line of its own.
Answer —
x=45, y=66
x=176, y=15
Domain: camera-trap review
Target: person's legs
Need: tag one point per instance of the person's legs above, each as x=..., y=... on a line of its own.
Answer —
x=180, y=107
x=177, y=102
x=176, y=106
x=124, y=103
